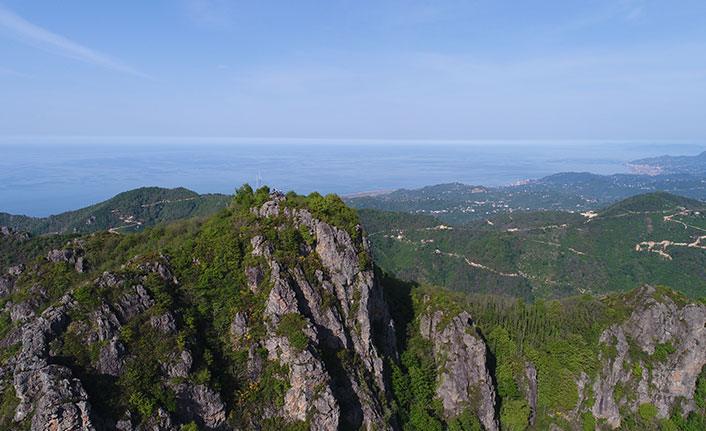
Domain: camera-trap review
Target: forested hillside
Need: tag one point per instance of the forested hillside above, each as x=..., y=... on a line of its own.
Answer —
x=458, y=204
x=271, y=315
x=130, y=211
x=652, y=238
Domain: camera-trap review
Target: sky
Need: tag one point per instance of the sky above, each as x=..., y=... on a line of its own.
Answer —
x=384, y=69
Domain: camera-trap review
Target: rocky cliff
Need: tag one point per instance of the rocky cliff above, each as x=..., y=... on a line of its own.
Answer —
x=653, y=358
x=463, y=379
x=289, y=331
x=270, y=315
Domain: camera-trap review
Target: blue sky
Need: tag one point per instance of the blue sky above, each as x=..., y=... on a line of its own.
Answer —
x=633, y=69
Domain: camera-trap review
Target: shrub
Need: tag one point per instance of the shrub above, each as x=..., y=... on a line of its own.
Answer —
x=647, y=412
x=662, y=351
x=291, y=325
x=466, y=421
x=515, y=415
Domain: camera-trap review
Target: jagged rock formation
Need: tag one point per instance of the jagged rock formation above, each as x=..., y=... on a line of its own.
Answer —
x=271, y=316
x=463, y=378
x=657, y=356
x=50, y=395
x=331, y=401
x=327, y=330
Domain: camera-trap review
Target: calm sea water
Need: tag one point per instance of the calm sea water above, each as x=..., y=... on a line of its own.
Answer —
x=48, y=177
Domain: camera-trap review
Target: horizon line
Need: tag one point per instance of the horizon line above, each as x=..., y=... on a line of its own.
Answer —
x=136, y=139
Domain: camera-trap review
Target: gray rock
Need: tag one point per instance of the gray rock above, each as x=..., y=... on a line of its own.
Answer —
x=164, y=323
x=254, y=276
x=362, y=309
x=656, y=319
x=70, y=256
x=255, y=364
x=6, y=286
x=178, y=365
x=200, y=404
x=16, y=270
x=109, y=279
x=161, y=421
x=239, y=326
x=133, y=303
x=111, y=360
x=13, y=337
x=19, y=236
x=81, y=266
x=58, y=400
x=462, y=373
x=159, y=267
x=22, y=312
x=529, y=383
x=106, y=323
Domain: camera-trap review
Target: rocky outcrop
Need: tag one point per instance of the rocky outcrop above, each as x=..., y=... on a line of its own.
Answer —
x=6, y=286
x=16, y=270
x=164, y=323
x=13, y=234
x=463, y=378
x=528, y=383
x=657, y=324
x=50, y=396
x=347, y=396
x=71, y=256
x=111, y=359
x=199, y=404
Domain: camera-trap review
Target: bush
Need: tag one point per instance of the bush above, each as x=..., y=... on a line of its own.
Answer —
x=291, y=325
x=700, y=392
x=515, y=415
x=663, y=350
x=647, y=412
x=466, y=421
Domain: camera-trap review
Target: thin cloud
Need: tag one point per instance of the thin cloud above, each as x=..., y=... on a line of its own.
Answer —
x=13, y=72
x=209, y=13
x=24, y=30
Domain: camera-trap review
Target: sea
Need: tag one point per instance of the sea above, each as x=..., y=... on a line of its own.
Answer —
x=43, y=176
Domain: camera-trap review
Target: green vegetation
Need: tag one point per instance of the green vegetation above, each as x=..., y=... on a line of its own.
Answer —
x=147, y=205
x=458, y=204
x=550, y=254
x=291, y=326
x=209, y=258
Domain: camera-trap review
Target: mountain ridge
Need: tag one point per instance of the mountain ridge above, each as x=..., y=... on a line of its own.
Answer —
x=129, y=211
x=270, y=315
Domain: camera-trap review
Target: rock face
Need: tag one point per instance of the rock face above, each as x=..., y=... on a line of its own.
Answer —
x=528, y=381
x=349, y=397
x=51, y=397
x=462, y=376
x=656, y=324
x=56, y=398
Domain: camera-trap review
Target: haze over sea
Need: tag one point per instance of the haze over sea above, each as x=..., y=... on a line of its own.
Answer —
x=49, y=176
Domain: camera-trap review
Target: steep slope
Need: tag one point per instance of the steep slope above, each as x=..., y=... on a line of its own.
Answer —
x=130, y=211
x=270, y=315
x=262, y=317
